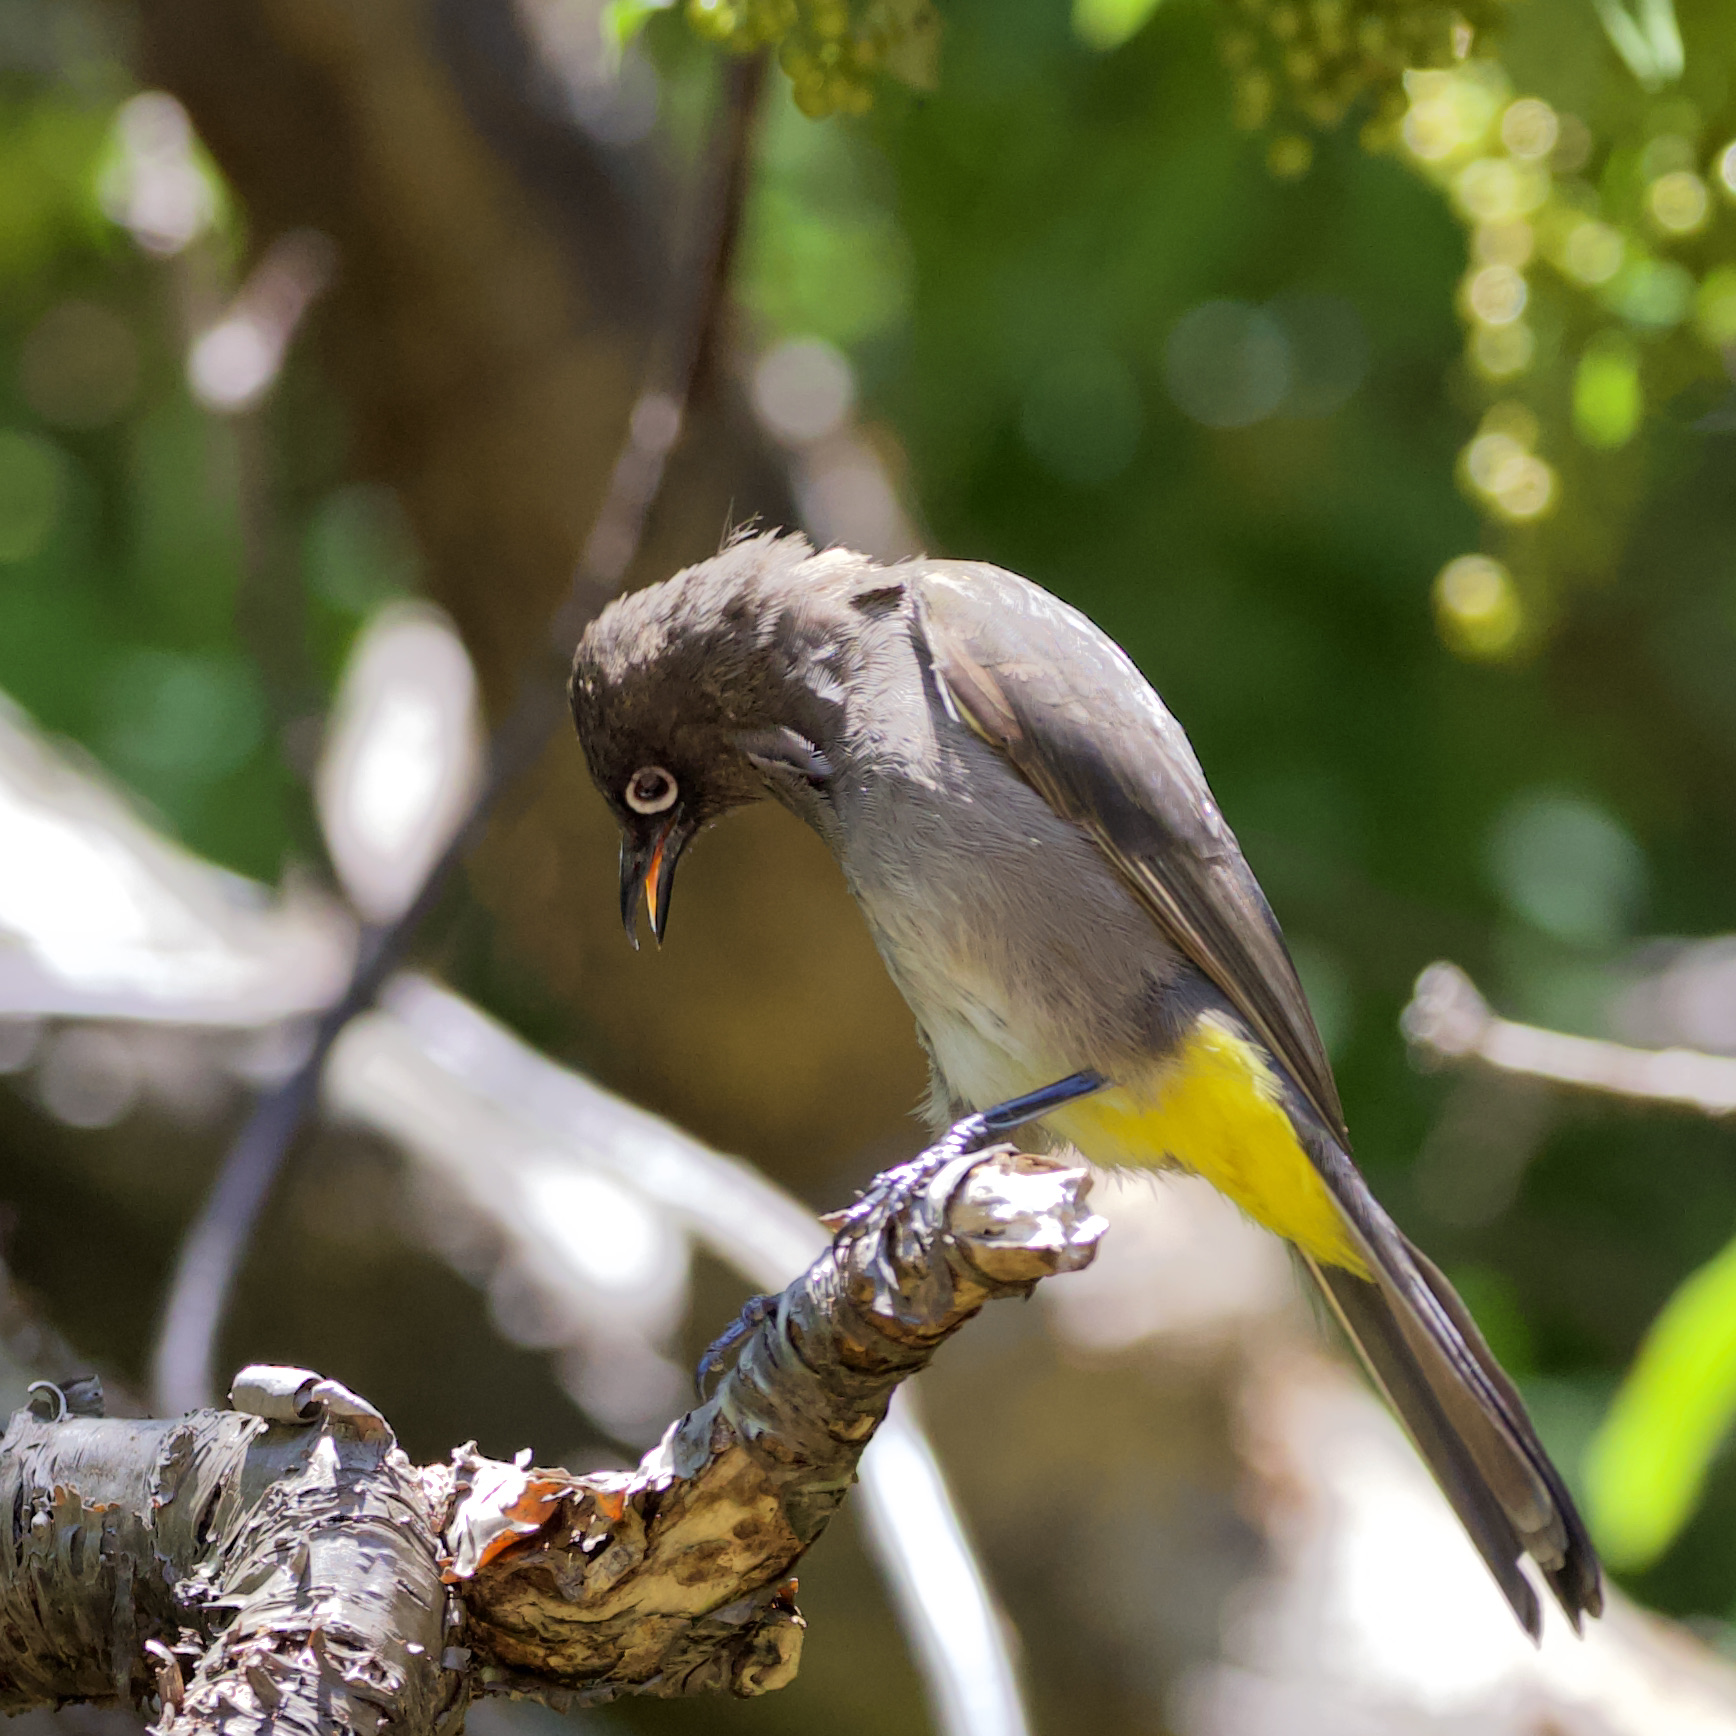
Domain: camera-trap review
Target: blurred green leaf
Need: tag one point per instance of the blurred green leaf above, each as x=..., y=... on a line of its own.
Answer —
x=1647, y=1465
x=1106, y=24
x=359, y=550
x=48, y=151
x=624, y=19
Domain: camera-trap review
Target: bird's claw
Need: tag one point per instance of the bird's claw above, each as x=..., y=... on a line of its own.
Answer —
x=754, y=1314
x=891, y=1192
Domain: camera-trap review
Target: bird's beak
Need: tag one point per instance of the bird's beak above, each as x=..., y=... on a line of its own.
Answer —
x=648, y=866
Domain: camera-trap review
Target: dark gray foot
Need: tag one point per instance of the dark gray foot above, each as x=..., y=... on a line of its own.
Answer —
x=755, y=1312
x=965, y=1138
x=978, y=1132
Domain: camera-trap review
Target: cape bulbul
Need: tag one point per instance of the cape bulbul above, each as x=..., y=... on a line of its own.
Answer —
x=1053, y=889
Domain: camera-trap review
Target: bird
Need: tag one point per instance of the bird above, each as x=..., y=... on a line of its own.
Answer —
x=1053, y=889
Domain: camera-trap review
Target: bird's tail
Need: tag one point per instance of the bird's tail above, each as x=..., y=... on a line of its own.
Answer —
x=1465, y=1415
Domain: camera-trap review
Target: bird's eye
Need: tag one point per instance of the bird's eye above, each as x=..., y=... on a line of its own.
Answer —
x=650, y=790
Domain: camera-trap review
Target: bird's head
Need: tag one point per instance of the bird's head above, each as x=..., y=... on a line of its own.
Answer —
x=682, y=697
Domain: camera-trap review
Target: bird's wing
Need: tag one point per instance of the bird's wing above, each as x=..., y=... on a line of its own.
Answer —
x=1082, y=726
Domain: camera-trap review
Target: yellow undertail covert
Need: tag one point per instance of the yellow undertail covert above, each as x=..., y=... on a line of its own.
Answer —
x=1216, y=1108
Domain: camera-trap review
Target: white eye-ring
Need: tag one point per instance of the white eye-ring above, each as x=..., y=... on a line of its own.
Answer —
x=650, y=790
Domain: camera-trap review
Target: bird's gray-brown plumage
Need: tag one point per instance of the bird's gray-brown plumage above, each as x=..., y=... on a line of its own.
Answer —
x=1052, y=887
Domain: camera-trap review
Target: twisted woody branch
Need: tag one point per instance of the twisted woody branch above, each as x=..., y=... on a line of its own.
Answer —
x=284, y=1563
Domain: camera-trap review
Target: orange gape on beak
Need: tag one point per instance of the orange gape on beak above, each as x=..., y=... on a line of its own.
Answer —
x=652, y=870
x=648, y=871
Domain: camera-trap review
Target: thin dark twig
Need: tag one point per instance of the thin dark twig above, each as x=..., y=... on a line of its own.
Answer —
x=184, y=1361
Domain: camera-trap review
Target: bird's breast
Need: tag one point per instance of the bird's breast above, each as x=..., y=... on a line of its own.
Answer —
x=1020, y=950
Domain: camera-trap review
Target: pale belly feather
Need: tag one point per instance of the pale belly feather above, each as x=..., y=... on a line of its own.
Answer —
x=1213, y=1107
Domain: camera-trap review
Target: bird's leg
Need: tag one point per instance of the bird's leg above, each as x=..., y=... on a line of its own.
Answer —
x=965, y=1138
x=754, y=1314
x=978, y=1131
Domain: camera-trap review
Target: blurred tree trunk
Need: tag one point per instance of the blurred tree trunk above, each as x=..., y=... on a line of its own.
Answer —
x=499, y=277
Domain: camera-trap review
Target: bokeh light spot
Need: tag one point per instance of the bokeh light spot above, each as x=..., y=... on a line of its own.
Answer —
x=400, y=757
x=1106, y=24
x=1227, y=364
x=1328, y=350
x=803, y=389
x=1450, y=112
x=1678, y=202
x=1652, y=293
x=1726, y=171
x=1513, y=417
x=1607, y=398
x=1494, y=189
x=1665, y=153
x=1567, y=867
x=1715, y=306
x=235, y=361
x=1530, y=128
x=183, y=718
x=230, y=366
x=155, y=184
x=1509, y=242
x=88, y=1077
x=1082, y=417
x=1498, y=352
x=1477, y=607
x=79, y=366
x=1290, y=156
x=1512, y=482
x=1496, y=294
x=1593, y=252
x=33, y=486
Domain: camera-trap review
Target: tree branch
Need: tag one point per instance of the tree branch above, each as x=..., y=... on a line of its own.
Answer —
x=283, y=1563
x=1448, y=1021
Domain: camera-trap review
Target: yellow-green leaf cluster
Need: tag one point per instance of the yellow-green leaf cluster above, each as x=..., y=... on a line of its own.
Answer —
x=832, y=50
x=1310, y=62
x=1597, y=291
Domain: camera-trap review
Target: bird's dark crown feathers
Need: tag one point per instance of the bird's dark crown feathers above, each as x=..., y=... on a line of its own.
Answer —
x=673, y=675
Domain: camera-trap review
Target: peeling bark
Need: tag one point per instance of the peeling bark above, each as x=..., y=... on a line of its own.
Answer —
x=283, y=1562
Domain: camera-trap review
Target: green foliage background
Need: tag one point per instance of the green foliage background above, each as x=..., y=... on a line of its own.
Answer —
x=1005, y=260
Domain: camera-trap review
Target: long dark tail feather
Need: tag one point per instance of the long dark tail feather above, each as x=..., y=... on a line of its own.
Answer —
x=1465, y=1415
